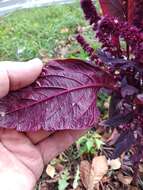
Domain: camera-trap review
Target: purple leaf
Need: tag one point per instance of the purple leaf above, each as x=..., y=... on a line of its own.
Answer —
x=111, y=61
x=123, y=144
x=139, y=99
x=128, y=90
x=63, y=97
x=137, y=13
x=118, y=120
x=113, y=109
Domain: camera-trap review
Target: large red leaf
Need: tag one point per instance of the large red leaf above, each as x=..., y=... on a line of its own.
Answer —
x=113, y=8
x=63, y=97
x=124, y=10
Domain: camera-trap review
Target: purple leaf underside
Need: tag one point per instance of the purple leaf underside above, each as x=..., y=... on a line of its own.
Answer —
x=118, y=120
x=123, y=144
x=63, y=97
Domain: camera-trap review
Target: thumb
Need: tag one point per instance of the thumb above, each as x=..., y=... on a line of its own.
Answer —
x=15, y=75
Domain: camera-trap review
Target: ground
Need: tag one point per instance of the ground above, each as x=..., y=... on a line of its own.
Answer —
x=50, y=33
x=26, y=33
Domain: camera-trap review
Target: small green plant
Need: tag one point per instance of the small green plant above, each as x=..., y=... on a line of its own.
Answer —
x=63, y=181
x=90, y=143
x=103, y=104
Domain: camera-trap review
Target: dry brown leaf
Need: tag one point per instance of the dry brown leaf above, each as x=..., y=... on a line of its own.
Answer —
x=64, y=30
x=78, y=188
x=63, y=51
x=43, y=53
x=114, y=164
x=133, y=188
x=126, y=180
x=59, y=167
x=45, y=60
x=85, y=167
x=42, y=186
x=99, y=168
x=106, y=179
x=106, y=105
x=50, y=171
x=82, y=29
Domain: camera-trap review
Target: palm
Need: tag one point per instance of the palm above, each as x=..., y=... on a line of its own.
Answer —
x=21, y=157
x=26, y=154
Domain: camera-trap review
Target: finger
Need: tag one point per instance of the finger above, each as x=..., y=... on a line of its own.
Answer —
x=38, y=136
x=15, y=75
x=58, y=142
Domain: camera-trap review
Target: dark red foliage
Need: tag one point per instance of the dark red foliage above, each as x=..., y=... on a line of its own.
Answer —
x=91, y=15
x=122, y=22
x=138, y=14
x=86, y=47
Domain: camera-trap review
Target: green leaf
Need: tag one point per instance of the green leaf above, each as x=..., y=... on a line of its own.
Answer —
x=82, y=140
x=89, y=144
x=99, y=143
x=62, y=184
x=63, y=181
x=83, y=150
x=93, y=151
x=76, y=178
x=97, y=135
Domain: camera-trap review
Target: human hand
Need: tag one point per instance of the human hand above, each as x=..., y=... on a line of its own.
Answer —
x=23, y=155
